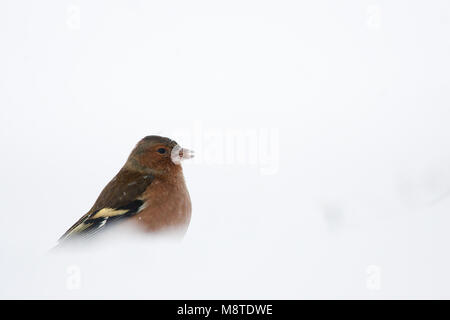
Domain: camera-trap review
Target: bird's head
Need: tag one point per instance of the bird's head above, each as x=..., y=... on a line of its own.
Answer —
x=157, y=154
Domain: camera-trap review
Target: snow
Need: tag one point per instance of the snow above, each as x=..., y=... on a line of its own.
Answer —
x=338, y=187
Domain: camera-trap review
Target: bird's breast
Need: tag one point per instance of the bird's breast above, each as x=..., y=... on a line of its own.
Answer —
x=167, y=206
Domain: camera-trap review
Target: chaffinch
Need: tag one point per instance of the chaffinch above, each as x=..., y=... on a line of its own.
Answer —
x=149, y=191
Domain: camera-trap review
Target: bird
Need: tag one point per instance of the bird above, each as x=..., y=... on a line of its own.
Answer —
x=148, y=192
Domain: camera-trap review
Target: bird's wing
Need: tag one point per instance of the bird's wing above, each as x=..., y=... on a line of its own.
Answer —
x=121, y=198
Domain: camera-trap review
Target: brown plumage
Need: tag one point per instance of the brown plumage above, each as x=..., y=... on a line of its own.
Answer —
x=149, y=192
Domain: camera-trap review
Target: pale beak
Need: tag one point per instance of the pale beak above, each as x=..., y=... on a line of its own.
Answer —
x=178, y=154
x=186, y=154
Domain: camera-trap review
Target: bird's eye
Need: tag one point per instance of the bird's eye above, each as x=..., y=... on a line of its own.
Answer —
x=161, y=150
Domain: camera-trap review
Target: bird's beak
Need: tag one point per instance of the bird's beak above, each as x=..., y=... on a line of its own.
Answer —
x=186, y=153
x=178, y=154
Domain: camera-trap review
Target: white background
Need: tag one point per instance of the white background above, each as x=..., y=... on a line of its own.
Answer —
x=358, y=92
